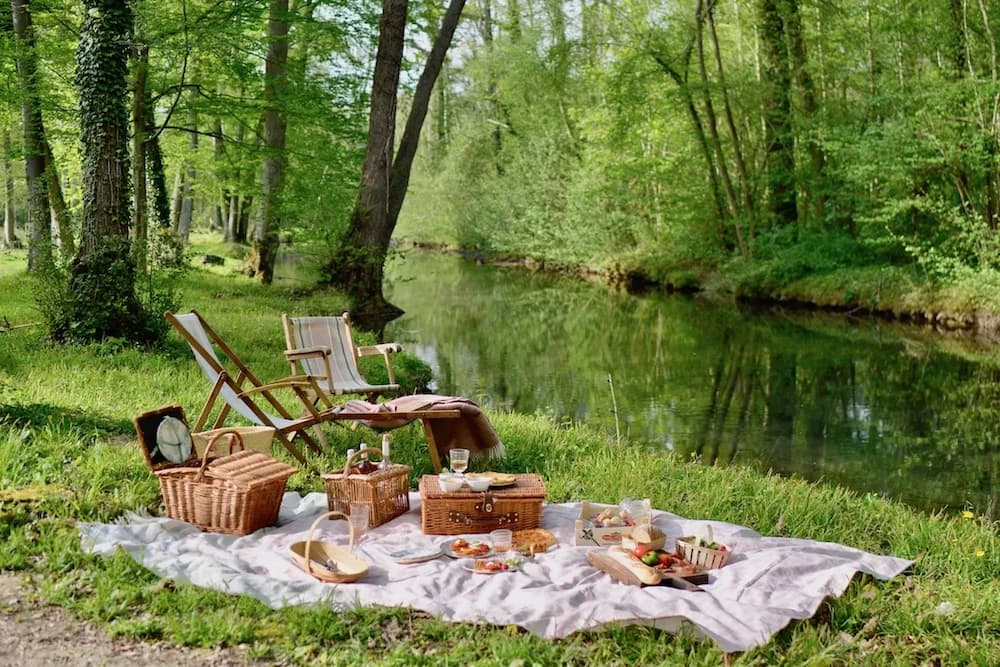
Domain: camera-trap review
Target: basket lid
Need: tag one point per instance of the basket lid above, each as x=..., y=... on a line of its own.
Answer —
x=164, y=438
x=249, y=469
x=526, y=486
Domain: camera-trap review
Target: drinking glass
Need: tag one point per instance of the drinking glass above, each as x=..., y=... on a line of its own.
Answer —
x=502, y=540
x=359, y=521
x=459, y=460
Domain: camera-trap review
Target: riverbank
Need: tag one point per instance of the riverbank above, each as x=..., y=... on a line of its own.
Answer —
x=969, y=304
x=65, y=432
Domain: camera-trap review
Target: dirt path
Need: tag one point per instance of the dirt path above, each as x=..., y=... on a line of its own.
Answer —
x=34, y=635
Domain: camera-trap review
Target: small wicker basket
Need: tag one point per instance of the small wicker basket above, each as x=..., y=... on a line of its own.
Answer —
x=235, y=494
x=326, y=561
x=386, y=491
x=710, y=559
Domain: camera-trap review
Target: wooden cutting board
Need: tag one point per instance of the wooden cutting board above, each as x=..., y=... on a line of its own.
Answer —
x=604, y=562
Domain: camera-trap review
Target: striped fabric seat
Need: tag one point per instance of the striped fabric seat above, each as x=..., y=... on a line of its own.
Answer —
x=323, y=348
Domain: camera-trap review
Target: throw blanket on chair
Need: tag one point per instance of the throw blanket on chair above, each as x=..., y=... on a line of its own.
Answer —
x=472, y=430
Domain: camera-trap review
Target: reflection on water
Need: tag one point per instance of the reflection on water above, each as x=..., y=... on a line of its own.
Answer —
x=808, y=396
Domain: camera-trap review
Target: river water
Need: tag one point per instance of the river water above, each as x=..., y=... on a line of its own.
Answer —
x=876, y=407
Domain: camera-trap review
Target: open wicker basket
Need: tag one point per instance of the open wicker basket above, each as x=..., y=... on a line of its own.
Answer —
x=235, y=494
x=326, y=561
x=710, y=559
x=386, y=491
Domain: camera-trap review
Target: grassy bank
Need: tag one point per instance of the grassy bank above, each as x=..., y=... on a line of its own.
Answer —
x=68, y=454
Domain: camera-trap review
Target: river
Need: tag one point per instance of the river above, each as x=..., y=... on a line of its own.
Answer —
x=876, y=407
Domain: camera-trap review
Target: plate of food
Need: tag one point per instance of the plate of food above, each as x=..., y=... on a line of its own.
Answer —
x=493, y=566
x=533, y=541
x=463, y=548
x=497, y=479
x=412, y=555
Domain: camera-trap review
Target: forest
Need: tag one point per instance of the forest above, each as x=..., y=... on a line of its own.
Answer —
x=842, y=153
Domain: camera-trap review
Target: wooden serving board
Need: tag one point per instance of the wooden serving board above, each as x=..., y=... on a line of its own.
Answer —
x=602, y=561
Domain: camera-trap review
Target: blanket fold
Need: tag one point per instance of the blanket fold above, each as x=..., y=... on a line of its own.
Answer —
x=471, y=430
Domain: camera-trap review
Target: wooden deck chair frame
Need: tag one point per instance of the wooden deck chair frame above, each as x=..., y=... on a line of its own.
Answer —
x=287, y=427
x=324, y=348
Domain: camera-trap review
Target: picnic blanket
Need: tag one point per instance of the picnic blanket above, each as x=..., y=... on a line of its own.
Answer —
x=472, y=430
x=768, y=582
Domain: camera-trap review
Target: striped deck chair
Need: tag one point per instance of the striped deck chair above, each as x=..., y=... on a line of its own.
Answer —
x=323, y=348
x=244, y=393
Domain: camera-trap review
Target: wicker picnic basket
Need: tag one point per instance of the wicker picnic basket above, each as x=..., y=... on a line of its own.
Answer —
x=325, y=560
x=235, y=494
x=386, y=491
x=516, y=507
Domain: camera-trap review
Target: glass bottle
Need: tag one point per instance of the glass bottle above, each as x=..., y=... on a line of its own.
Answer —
x=386, y=438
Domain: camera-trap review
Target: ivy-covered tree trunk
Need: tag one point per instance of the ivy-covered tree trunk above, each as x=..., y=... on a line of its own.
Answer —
x=275, y=124
x=140, y=220
x=39, y=225
x=102, y=296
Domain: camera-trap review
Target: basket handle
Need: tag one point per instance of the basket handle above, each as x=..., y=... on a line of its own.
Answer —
x=312, y=529
x=234, y=437
x=356, y=455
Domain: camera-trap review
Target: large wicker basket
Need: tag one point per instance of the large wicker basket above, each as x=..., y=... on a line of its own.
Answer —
x=386, y=491
x=235, y=494
x=516, y=507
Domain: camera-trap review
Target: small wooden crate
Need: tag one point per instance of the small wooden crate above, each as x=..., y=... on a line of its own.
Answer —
x=236, y=494
x=386, y=491
x=517, y=507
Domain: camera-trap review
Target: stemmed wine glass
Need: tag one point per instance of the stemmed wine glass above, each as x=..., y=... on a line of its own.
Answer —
x=459, y=461
x=359, y=521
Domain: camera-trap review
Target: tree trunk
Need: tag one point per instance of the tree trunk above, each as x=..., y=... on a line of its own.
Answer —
x=713, y=129
x=154, y=160
x=407, y=150
x=699, y=131
x=384, y=181
x=39, y=225
x=741, y=168
x=222, y=201
x=190, y=178
x=778, y=137
x=9, y=238
x=102, y=276
x=797, y=49
x=363, y=247
x=275, y=124
x=177, y=201
x=140, y=133
x=496, y=136
x=60, y=213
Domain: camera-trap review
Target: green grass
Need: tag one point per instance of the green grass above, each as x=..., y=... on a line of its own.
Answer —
x=67, y=443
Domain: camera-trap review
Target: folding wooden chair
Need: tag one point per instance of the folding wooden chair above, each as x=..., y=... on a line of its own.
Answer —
x=323, y=348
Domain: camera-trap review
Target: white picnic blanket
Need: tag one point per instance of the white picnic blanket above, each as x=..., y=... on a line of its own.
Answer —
x=768, y=582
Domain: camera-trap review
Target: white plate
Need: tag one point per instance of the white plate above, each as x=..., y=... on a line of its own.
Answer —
x=471, y=567
x=415, y=555
x=446, y=549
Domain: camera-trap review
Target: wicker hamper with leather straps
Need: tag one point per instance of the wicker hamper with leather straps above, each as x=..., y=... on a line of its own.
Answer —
x=517, y=507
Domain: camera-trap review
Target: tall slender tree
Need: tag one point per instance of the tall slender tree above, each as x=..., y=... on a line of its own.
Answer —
x=8, y=239
x=39, y=225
